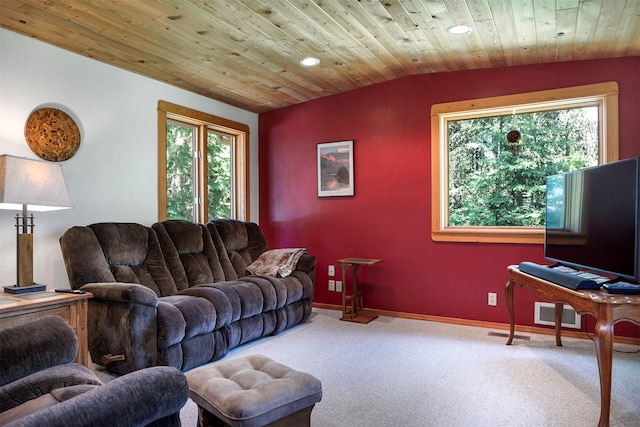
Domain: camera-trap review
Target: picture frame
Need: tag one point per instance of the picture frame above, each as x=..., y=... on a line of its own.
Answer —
x=335, y=169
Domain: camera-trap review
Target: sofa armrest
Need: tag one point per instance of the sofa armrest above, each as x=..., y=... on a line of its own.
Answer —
x=122, y=292
x=136, y=399
x=122, y=326
x=34, y=346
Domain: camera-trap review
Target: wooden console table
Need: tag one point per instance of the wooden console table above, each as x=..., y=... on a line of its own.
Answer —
x=608, y=309
x=354, y=311
x=17, y=309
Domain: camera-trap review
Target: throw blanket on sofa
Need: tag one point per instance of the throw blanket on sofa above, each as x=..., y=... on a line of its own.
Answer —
x=276, y=262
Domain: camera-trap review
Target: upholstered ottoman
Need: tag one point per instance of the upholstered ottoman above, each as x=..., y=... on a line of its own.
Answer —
x=253, y=391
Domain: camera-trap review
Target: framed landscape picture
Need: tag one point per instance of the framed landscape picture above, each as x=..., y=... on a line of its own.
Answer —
x=335, y=169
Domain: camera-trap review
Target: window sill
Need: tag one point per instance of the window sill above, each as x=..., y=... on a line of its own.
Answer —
x=519, y=235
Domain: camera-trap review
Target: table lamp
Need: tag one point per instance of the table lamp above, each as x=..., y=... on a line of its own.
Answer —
x=34, y=185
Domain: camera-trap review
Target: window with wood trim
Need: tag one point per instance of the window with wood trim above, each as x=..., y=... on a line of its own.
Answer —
x=473, y=149
x=203, y=171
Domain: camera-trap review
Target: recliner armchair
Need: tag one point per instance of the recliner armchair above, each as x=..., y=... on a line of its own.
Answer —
x=40, y=384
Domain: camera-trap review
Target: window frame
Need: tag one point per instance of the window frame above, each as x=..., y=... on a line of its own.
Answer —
x=240, y=131
x=606, y=95
x=232, y=148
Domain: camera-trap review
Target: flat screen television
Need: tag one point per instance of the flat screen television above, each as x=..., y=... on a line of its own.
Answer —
x=592, y=220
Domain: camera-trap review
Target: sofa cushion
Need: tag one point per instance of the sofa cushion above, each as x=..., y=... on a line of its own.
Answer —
x=171, y=324
x=190, y=253
x=233, y=234
x=91, y=255
x=223, y=255
x=287, y=289
x=246, y=299
x=243, y=241
x=45, y=401
x=251, y=298
x=30, y=407
x=218, y=299
x=239, y=263
x=83, y=257
x=133, y=254
x=42, y=382
x=198, y=314
x=269, y=292
x=149, y=397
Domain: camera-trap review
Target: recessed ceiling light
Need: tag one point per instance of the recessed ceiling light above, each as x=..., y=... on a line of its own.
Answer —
x=310, y=62
x=459, y=30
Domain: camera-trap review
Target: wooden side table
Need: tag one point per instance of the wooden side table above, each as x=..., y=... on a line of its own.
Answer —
x=608, y=309
x=17, y=309
x=354, y=311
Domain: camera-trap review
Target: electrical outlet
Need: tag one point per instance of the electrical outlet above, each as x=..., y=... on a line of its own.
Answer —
x=339, y=286
x=332, y=271
x=332, y=285
x=493, y=299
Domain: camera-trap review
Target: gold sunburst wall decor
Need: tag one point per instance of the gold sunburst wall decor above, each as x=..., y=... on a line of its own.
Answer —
x=52, y=134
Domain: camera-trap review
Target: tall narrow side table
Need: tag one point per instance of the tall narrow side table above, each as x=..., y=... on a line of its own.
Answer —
x=352, y=303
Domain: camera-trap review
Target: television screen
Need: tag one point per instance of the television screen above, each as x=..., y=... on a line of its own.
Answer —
x=592, y=219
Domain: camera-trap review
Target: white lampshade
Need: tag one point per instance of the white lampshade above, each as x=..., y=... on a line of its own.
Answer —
x=37, y=184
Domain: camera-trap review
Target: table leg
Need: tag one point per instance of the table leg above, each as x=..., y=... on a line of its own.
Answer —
x=558, y=317
x=345, y=268
x=358, y=302
x=509, y=297
x=81, y=325
x=604, y=351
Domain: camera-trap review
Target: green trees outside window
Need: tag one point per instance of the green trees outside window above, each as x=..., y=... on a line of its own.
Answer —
x=203, y=165
x=183, y=173
x=488, y=183
x=219, y=167
x=181, y=192
x=495, y=182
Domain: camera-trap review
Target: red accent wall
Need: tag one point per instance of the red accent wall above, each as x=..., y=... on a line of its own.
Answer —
x=390, y=215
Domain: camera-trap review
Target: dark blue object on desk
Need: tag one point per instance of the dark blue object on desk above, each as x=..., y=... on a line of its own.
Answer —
x=561, y=278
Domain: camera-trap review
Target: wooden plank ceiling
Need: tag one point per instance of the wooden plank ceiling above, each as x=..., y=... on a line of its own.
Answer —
x=247, y=52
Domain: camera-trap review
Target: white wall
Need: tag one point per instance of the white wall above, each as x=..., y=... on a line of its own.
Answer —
x=113, y=175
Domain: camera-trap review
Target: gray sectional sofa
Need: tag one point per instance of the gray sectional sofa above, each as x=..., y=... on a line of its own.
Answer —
x=177, y=293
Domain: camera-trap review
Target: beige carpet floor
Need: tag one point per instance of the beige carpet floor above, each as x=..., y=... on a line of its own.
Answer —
x=401, y=372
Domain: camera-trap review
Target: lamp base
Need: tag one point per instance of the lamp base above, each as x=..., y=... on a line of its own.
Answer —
x=24, y=289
